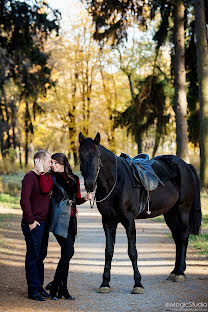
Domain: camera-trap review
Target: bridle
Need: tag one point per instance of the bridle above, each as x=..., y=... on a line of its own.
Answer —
x=92, y=202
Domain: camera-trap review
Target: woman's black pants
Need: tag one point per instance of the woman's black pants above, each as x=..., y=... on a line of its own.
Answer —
x=67, y=252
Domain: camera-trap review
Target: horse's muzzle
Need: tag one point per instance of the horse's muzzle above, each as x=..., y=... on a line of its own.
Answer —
x=89, y=185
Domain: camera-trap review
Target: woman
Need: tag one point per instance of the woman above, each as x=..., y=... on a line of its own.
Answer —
x=65, y=195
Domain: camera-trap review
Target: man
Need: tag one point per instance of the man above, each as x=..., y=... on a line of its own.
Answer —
x=35, y=206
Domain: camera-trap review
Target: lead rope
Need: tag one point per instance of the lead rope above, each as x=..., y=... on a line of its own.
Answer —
x=99, y=201
x=92, y=202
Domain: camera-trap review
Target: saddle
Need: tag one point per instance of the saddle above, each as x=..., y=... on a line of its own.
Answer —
x=147, y=174
x=143, y=171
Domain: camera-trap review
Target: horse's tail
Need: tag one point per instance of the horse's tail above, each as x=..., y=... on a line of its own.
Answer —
x=195, y=216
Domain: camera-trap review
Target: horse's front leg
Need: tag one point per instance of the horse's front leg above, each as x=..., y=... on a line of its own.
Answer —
x=129, y=225
x=110, y=234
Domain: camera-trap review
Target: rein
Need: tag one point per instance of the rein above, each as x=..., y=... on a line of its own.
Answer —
x=92, y=202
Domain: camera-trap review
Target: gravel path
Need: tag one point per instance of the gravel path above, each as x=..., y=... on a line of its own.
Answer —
x=156, y=259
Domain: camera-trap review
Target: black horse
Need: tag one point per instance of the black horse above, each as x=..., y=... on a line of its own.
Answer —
x=117, y=201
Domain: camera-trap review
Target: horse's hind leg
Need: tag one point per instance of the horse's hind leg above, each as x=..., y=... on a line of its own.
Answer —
x=129, y=225
x=178, y=223
x=110, y=234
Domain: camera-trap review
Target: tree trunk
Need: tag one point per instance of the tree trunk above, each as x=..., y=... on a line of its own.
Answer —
x=20, y=156
x=139, y=142
x=202, y=70
x=13, y=122
x=156, y=145
x=2, y=129
x=180, y=100
x=26, y=133
x=72, y=124
x=108, y=97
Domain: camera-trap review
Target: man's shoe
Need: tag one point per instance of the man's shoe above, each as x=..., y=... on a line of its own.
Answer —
x=37, y=297
x=44, y=293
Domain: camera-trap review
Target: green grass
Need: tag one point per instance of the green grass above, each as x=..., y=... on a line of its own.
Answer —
x=158, y=219
x=200, y=243
x=7, y=198
x=204, y=221
x=9, y=201
x=11, y=184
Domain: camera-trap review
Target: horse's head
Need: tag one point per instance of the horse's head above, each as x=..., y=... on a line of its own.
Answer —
x=89, y=155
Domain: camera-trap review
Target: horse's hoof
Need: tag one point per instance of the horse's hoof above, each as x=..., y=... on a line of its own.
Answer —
x=171, y=277
x=137, y=290
x=179, y=278
x=104, y=290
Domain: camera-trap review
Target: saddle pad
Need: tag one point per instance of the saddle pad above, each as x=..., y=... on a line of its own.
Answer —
x=163, y=171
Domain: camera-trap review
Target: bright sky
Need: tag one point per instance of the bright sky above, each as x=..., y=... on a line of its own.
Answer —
x=69, y=9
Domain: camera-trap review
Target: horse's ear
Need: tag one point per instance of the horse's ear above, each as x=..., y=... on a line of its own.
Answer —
x=97, y=139
x=81, y=137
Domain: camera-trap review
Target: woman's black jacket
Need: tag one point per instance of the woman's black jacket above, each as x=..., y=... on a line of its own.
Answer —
x=63, y=197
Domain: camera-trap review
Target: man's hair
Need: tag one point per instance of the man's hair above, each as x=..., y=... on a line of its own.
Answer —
x=41, y=154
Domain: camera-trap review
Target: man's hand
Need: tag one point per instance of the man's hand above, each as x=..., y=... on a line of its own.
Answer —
x=39, y=165
x=87, y=197
x=33, y=225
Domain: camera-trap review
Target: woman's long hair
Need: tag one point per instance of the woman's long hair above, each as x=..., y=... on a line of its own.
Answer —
x=62, y=160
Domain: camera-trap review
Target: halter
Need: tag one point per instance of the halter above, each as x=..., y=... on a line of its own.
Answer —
x=92, y=202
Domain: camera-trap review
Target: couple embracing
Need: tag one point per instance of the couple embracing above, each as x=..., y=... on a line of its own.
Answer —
x=48, y=200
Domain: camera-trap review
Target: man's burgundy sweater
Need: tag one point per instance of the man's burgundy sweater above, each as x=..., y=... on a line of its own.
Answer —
x=34, y=203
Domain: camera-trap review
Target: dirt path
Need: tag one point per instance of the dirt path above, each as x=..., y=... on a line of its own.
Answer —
x=156, y=260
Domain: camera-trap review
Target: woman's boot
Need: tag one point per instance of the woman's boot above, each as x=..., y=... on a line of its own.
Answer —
x=48, y=287
x=63, y=292
x=53, y=287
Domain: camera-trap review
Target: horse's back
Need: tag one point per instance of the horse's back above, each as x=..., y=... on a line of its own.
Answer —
x=184, y=174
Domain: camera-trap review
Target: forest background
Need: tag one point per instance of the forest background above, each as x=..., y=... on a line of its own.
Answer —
x=126, y=69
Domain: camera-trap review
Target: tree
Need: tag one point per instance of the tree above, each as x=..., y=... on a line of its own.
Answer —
x=202, y=69
x=193, y=93
x=147, y=109
x=25, y=29
x=112, y=19
x=180, y=100
x=110, y=96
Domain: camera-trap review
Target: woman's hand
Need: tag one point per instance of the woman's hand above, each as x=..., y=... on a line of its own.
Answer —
x=87, y=197
x=39, y=165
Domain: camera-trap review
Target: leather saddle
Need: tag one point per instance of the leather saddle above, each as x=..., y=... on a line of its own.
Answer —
x=141, y=168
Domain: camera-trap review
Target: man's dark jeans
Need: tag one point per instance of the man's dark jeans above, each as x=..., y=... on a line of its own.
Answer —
x=36, y=244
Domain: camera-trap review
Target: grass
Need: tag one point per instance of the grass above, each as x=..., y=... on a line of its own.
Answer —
x=11, y=184
x=200, y=243
x=158, y=219
x=9, y=201
x=10, y=189
x=204, y=221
